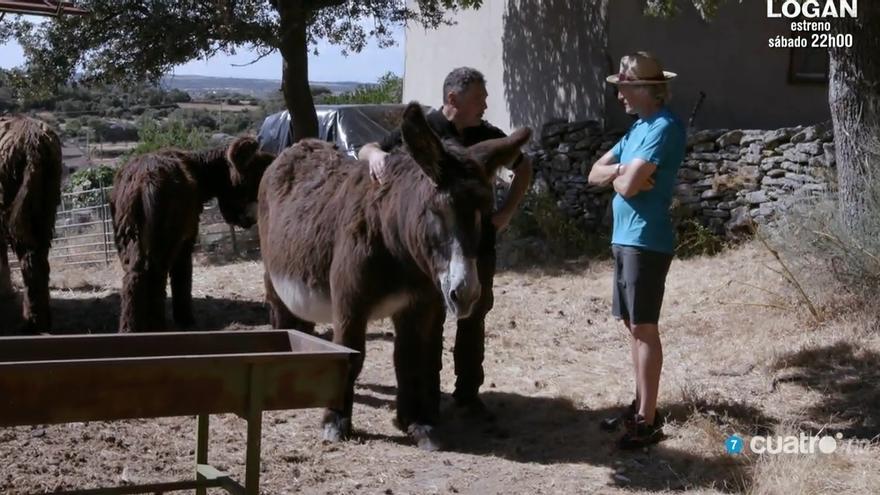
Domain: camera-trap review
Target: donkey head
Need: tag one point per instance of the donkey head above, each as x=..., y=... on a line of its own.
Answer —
x=458, y=206
x=238, y=204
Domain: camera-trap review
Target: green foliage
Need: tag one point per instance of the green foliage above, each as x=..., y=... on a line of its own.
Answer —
x=76, y=99
x=7, y=96
x=228, y=97
x=388, y=89
x=694, y=239
x=319, y=91
x=540, y=217
x=273, y=103
x=92, y=180
x=132, y=40
x=668, y=8
x=171, y=134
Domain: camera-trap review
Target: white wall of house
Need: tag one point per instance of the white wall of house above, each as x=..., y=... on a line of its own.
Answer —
x=745, y=81
x=547, y=59
x=539, y=59
x=474, y=41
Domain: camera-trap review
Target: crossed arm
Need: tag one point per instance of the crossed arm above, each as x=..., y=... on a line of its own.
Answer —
x=626, y=179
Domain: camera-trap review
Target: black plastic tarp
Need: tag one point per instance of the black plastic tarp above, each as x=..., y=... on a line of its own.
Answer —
x=349, y=126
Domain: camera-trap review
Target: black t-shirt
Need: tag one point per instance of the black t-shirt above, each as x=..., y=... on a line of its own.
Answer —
x=447, y=130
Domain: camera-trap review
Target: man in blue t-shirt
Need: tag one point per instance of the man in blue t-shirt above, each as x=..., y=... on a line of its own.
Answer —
x=642, y=167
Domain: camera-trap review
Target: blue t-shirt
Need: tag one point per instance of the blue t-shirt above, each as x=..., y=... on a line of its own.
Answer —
x=643, y=219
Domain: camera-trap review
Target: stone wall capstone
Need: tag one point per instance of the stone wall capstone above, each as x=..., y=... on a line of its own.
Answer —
x=728, y=177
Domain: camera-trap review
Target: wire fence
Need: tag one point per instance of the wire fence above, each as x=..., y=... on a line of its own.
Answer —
x=84, y=232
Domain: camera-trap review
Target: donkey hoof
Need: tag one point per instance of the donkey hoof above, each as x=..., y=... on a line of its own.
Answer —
x=29, y=328
x=424, y=436
x=185, y=323
x=336, y=429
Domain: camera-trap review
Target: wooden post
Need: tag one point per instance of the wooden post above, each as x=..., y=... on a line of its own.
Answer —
x=201, y=450
x=254, y=432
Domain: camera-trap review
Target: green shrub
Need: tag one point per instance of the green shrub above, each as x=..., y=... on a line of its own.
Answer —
x=540, y=217
x=388, y=89
x=88, y=179
x=694, y=239
x=171, y=134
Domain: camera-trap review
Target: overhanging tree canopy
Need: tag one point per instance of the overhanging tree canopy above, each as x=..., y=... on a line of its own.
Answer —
x=39, y=7
x=129, y=40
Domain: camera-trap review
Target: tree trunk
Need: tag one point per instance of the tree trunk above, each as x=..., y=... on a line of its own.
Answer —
x=854, y=97
x=295, y=74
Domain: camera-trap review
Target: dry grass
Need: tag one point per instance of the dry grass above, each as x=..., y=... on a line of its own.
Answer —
x=741, y=356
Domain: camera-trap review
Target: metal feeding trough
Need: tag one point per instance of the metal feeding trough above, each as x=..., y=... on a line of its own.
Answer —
x=63, y=379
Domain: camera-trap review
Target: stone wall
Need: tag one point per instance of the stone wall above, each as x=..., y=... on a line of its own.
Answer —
x=727, y=178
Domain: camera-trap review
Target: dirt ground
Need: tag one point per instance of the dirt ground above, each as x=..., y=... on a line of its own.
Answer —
x=741, y=356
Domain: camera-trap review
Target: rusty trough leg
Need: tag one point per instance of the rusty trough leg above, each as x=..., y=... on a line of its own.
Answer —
x=201, y=450
x=254, y=432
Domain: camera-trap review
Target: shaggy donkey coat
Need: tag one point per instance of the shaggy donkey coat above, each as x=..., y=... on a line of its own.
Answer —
x=340, y=248
x=156, y=203
x=30, y=189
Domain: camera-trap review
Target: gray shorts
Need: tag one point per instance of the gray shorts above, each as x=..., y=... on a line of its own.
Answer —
x=639, y=283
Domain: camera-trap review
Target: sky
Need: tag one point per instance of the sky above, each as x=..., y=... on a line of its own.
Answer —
x=329, y=66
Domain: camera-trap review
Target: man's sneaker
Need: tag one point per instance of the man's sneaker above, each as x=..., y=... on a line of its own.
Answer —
x=612, y=423
x=641, y=435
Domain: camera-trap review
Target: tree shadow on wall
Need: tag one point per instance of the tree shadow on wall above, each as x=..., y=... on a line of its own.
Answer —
x=555, y=61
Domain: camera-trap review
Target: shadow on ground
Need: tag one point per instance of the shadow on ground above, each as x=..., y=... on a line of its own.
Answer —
x=553, y=430
x=100, y=313
x=847, y=377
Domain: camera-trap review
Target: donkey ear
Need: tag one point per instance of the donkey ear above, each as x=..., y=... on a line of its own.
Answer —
x=494, y=153
x=241, y=151
x=421, y=141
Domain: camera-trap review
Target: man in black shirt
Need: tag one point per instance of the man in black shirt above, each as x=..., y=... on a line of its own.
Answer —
x=461, y=119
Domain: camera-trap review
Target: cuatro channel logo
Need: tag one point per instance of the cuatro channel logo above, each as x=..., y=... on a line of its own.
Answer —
x=790, y=444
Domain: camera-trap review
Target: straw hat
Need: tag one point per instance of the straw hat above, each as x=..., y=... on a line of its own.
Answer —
x=639, y=69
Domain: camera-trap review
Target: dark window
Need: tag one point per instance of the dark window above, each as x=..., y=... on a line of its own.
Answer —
x=808, y=65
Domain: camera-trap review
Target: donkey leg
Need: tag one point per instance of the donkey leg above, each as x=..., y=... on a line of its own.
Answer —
x=157, y=280
x=35, y=276
x=181, y=287
x=132, y=301
x=281, y=317
x=143, y=296
x=350, y=331
x=418, y=352
x=133, y=307
x=406, y=364
x=5, y=273
x=432, y=350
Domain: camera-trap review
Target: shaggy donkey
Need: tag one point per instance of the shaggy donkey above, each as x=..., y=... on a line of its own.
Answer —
x=340, y=248
x=30, y=189
x=156, y=203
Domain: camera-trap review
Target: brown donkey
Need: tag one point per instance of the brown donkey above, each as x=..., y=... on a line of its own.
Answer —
x=340, y=248
x=30, y=189
x=156, y=203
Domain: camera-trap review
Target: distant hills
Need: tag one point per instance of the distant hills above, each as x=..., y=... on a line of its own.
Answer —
x=199, y=85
